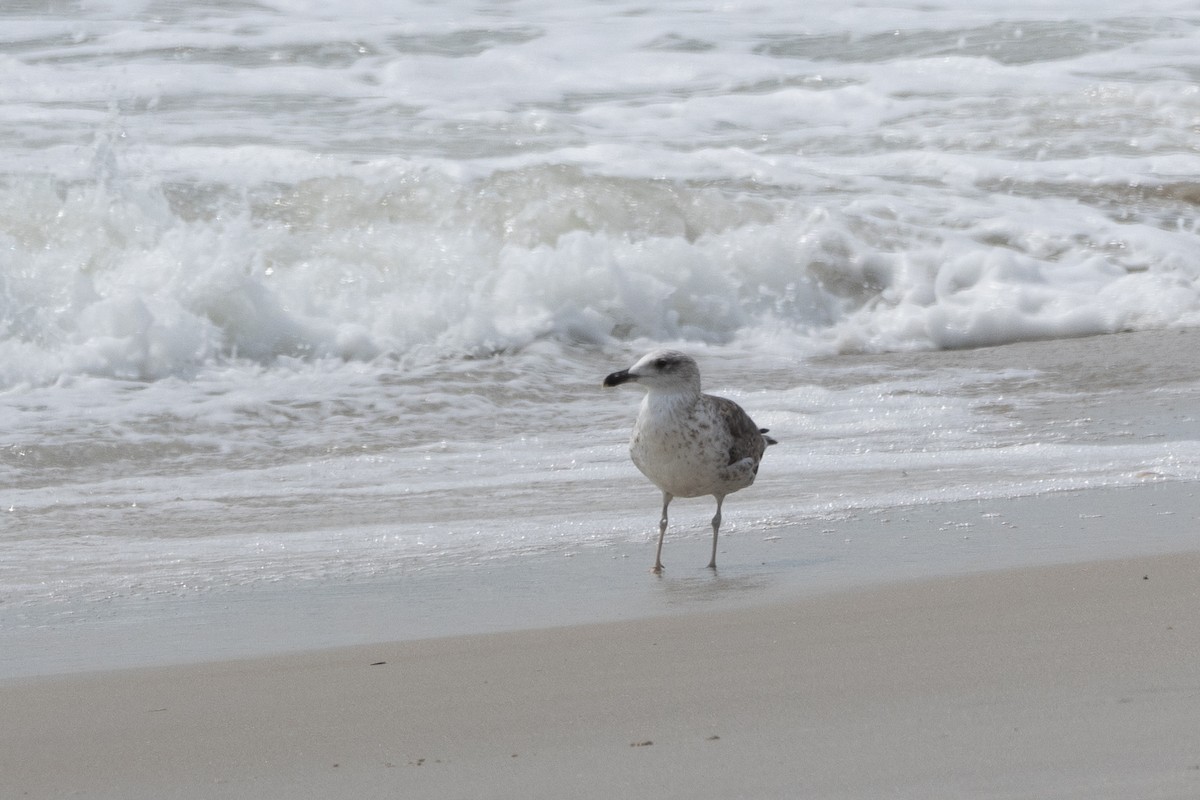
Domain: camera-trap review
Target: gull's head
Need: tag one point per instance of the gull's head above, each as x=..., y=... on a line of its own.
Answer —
x=667, y=371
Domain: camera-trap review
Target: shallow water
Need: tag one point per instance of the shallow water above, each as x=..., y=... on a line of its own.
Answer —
x=293, y=298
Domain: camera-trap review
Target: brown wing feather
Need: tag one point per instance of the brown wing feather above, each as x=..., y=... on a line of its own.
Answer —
x=746, y=441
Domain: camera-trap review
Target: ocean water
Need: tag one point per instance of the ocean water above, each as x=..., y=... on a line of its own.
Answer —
x=299, y=295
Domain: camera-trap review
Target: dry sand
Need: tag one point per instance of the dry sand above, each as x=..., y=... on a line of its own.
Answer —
x=1078, y=681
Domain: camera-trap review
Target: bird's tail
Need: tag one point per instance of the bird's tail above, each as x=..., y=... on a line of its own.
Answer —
x=766, y=438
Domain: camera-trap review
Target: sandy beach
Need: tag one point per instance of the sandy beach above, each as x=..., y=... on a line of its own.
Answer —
x=1070, y=681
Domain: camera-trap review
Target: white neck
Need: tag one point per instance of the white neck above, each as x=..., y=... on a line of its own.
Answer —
x=660, y=400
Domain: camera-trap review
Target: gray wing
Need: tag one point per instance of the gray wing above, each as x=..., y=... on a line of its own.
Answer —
x=745, y=439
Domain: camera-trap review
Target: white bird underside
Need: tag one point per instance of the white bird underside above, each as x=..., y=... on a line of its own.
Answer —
x=690, y=449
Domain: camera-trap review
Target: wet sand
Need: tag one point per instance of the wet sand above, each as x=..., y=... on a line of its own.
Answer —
x=1069, y=681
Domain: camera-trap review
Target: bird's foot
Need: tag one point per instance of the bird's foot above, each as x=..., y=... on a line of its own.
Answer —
x=658, y=569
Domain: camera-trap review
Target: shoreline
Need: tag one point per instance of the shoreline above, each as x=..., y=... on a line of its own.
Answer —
x=859, y=551
x=1073, y=680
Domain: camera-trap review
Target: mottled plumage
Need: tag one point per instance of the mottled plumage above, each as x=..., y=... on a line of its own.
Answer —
x=688, y=443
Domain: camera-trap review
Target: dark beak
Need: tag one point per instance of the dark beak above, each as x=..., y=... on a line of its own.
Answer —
x=617, y=378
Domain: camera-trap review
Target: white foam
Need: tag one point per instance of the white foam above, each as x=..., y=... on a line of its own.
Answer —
x=189, y=186
x=132, y=284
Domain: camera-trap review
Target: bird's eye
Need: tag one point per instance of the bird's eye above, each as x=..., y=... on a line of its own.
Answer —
x=660, y=363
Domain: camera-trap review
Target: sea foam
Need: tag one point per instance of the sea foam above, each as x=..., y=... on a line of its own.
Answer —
x=188, y=186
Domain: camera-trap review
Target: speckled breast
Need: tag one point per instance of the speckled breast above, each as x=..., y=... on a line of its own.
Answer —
x=675, y=461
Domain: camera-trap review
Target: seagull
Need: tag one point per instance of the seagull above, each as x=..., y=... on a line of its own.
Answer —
x=689, y=444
